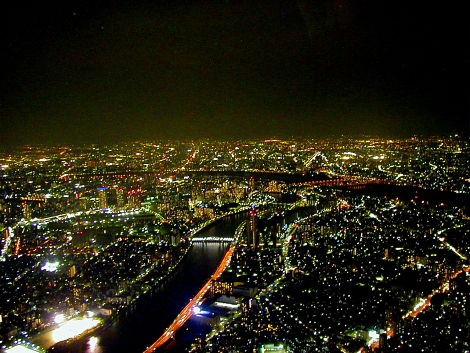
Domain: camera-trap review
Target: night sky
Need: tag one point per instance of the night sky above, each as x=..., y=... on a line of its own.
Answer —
x=110, y=71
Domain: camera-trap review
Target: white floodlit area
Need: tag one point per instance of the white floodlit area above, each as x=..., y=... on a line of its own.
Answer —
x=20, y=349
x=59, y=318
x=226, y=305
x=73, y=327
x=50, y=266
x=373, y=337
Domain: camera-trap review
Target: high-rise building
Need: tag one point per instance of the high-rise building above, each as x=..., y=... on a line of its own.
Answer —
x=72, y=271
x=84, y=203
x=6, y=233
x=120, y=197
x=103, y=198
x=220, y=287
x=252, y=228
x=27, y=211
x=133, y=197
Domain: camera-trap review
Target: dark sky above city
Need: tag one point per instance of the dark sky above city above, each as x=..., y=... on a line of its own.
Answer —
x=107, y=71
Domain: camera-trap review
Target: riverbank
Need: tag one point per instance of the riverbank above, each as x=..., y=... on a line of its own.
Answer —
x=155, y=310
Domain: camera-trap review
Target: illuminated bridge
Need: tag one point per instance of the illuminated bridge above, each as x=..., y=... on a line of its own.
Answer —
x=212, y=239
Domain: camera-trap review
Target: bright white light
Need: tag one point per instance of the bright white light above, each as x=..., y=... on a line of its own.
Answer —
x=226, y=305
x=93, y=345
x=419, y=304
x=90, y=313
x=93, y=341
x=50, y=266
x=196, y=310
x=59, y=318
x=73, y=328
x=373, y=336
x=20, y=349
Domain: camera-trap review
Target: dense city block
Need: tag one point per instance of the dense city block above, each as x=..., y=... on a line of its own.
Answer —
x=335, y=245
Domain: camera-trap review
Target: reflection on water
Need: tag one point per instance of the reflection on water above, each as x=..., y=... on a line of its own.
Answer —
x=147, y=320
x=93, y=345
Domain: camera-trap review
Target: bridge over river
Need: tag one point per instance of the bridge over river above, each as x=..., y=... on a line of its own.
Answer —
x=218, y=239
x=136, y=330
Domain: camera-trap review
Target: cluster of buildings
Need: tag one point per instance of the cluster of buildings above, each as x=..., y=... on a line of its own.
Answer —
x=317, y=268
x=97, y=262
x=364, y=273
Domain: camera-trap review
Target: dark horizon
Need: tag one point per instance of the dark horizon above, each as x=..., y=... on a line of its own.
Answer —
x=84, y=72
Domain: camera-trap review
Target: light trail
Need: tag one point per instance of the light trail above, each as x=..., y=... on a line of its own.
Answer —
x=449, y=246
x=8, y=242
x=425, y=303
x=188, y=160
x=187, y=311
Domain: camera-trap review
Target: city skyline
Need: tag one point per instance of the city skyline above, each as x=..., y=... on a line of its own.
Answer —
x=205, y=246
x=234, y=176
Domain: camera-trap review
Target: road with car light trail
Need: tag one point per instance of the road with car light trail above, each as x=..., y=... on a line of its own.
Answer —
x=187, y=311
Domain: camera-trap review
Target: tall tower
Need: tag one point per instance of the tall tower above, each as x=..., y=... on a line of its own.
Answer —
x=103, y=198
x=252, y=228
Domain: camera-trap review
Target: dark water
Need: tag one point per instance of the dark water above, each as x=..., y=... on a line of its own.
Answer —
x=195, y=328
x=142, y=325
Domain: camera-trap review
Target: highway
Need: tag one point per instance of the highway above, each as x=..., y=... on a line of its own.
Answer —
x=187, y=311
x=442, y=239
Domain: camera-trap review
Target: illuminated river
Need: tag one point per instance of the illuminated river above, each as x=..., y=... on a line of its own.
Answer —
x=145, y=322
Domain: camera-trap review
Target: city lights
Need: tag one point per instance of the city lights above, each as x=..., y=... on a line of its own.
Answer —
x=234, y=176
x=321, y=242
